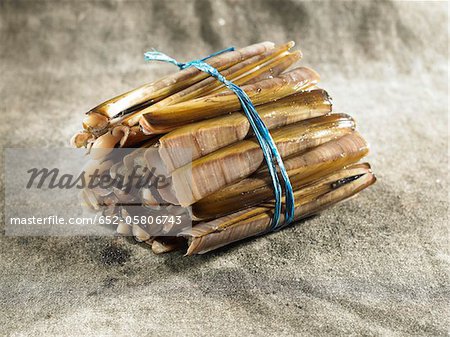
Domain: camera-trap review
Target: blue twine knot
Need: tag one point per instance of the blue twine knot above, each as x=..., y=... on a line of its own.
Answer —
x=271, y=155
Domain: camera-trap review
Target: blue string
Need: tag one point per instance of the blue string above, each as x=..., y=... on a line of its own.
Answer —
x=265, y=140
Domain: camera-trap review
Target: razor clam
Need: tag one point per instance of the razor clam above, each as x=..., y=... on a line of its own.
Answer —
x=133, y=137
x=270, y=69
x=317, y=162
x=298, y=79
x=119, y=136
x=105, y=144
x=82, y=139
x=95, y=123
x=154, y=162
x=312, y=199
x=123, y=137
x=195, y=140
x=168, y=85
x=246, y=156
x=130, y=163
x=274, y=61
x=167, y=244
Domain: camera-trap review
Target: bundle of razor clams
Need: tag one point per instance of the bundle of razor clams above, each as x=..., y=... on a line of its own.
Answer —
x=189, y=128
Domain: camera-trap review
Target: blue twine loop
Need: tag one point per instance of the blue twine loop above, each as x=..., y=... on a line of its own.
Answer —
x=265, y=140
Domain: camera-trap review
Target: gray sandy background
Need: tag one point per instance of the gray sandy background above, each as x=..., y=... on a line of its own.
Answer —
x=375, y=265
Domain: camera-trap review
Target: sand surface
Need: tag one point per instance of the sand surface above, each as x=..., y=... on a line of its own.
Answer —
x=375, y=265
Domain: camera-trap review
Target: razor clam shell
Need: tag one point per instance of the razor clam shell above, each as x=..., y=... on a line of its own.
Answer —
x=296, y=80
x=153, y=161
x=318, y=161
x=133, y=137
x=167, y=244
x=210, y=236
x=82, y=139
x=273, y=68
x=274, y=60
x=195, y=140
x=246, y=156
x=177, y=81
